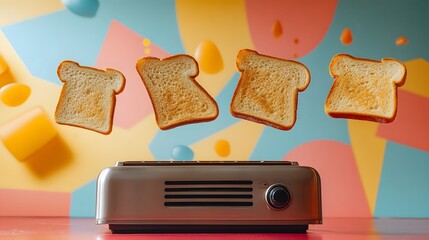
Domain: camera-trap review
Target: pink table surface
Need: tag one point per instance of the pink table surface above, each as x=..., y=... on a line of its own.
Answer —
x=332, y=228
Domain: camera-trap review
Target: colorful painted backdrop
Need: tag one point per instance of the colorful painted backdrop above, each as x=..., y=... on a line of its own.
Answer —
x=367, y=169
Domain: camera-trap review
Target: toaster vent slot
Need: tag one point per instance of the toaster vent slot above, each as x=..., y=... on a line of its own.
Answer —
x=204, y=193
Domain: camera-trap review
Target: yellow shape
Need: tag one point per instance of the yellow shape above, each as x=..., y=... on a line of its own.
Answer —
x=75, y=156
x=277, y=29
x=146, y=42
x=241, y=147
x=222, y=148
x=417, y=81
x=3, y=66
x=196, y=21
x=209, y=57
x=14, y=94
x=12, y=11
x=369, y=151
x=28, y=133
x=5, y=75
x=147, y=51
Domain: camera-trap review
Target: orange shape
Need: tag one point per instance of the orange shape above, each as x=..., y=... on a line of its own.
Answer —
x=277, y=29
x=3, y=66
x=5, y=75
x=14, y=94
x=346, y=36
x=223, y=148
x=27, y=133
x=209, y=58
x=417, y=77
x=401, y=41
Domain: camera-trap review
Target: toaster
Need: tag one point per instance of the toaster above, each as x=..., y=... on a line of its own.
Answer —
x=214, y=196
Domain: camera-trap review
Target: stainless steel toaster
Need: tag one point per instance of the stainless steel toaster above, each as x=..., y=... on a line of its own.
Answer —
x=193, y=196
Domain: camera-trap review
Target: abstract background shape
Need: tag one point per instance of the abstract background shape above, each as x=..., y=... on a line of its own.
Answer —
x=342, y=194
x=368, y=150
x=121, y=49
x=411, y=126
x=401, y=193
x=313, y=18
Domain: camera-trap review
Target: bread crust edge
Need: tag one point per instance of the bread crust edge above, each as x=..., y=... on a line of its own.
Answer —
x=192, y=78
x=358, y=116
x=260, y=120
x=113, y=105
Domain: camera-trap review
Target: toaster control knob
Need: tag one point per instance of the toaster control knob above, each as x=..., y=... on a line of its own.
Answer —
x=277, y=196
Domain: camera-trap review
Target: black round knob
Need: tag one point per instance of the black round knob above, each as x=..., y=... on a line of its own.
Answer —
x=278, y=197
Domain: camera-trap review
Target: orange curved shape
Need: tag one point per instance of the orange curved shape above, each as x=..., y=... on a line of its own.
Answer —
x=401, y=40
x=223, y=148
x=208, y=57
x=14, y=94
x=277, y=29
x=346, y=37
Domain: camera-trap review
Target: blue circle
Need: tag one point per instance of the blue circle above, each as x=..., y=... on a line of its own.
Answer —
x=84, y=8
x=182, y=153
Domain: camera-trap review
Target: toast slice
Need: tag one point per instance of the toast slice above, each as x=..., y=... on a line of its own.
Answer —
x=176, y=96
x=267, y=91
x=87, y=98
x=364, y=89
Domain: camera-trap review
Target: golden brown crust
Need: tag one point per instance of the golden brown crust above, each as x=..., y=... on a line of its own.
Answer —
x=113, y=100
x=241, y=85
x=363, y=115
x=192, y=77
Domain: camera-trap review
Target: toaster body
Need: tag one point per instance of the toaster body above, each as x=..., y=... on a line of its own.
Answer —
x=252, y=196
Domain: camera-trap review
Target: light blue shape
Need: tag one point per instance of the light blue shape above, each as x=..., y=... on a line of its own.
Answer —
x=44, y=42
x=182, y=153
x=403, y=188
x=189, y=134
x=83, y=201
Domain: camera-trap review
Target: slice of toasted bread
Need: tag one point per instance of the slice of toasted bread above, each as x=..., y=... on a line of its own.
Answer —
x=176, y=96
x=87, y=99
x=364, y=89
x=267, y=91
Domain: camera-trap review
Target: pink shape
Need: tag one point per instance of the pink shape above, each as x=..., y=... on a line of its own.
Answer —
x=121, y=49
x=411, y=125
x=304, y=25
x=34, y=203
x=342, y=190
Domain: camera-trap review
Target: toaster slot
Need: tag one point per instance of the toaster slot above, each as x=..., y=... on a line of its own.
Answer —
x=206, y=193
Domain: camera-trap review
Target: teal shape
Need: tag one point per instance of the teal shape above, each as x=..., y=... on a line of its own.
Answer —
x=84, y=8
x=83, y=201
x=182, y=153
x=403, y=191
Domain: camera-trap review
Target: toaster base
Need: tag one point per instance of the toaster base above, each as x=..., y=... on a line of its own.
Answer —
x=186, y=228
